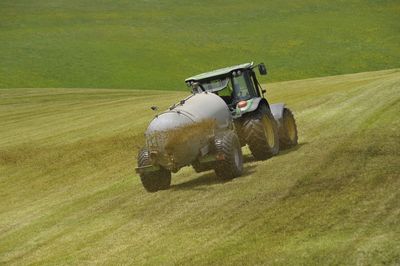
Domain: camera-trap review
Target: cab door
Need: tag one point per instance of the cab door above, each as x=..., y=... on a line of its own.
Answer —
x=243, y=87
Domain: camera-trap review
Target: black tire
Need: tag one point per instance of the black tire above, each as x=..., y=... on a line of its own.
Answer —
x=261, y=134
x=288, y=130
x=153, y=181
x=230, y=158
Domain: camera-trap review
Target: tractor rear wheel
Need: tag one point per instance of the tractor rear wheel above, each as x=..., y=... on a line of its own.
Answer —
x=288, y=130
x=229, y=156
x=261, y=134
x=153, y=181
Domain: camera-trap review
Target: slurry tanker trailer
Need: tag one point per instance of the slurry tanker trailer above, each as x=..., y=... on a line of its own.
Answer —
x=225, y=111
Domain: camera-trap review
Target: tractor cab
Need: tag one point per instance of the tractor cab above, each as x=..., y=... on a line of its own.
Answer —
x=236, y=84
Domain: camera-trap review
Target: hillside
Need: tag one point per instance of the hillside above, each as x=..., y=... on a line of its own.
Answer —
x=69, y=194
x=150, y=44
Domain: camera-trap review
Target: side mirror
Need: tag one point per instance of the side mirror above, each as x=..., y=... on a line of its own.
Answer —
x=262, y=69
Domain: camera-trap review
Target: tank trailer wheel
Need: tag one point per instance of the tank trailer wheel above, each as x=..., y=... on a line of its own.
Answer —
x=261, y=134
x=153, y=181
x=229, y=156
x=288, y=130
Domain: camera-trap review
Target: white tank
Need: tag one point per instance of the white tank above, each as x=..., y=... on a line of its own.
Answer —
x=190, y=125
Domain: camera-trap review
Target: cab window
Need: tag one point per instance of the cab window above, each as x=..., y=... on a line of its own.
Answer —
x=243, y=87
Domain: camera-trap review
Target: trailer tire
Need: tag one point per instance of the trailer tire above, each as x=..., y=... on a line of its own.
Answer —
x=261, y=134
x=153, y=181
x=288, y=130
x=229, y=156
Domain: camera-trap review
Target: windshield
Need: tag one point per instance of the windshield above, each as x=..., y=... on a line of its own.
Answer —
x=215, y=85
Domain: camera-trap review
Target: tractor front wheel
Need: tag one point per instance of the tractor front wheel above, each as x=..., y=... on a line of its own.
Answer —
x=288, y=130
x=156, y=180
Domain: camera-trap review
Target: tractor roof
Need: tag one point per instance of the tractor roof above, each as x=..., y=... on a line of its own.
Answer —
x=219, y=72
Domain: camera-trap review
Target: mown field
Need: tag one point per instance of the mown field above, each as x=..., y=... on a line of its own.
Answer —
x=152, y=44
x=69, y=194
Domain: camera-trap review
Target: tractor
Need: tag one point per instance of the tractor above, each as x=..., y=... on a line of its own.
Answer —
x=226, y=111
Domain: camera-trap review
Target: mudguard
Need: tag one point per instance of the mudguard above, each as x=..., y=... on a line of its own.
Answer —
x=277, y=111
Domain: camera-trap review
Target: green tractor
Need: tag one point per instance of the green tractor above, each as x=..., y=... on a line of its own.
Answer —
x=265, y=128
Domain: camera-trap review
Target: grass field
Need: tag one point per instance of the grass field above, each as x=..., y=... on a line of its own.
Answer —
x=69, y=194
x=152, y=44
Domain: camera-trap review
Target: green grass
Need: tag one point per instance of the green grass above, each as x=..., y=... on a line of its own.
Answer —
x=157, y=44
x=69, y=194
